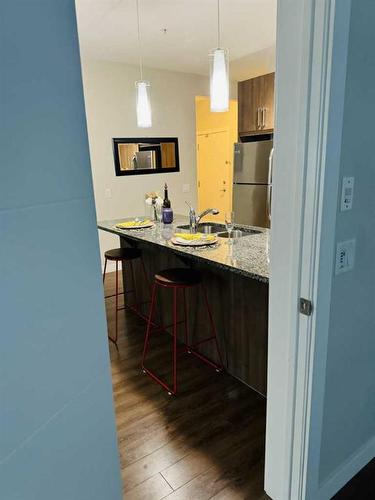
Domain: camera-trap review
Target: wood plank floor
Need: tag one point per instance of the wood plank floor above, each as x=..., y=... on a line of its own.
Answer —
x=206, y=443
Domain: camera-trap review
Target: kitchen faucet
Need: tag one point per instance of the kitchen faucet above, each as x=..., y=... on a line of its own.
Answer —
x=195, y=219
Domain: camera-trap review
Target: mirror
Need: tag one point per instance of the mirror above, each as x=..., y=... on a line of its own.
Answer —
x=136, y=156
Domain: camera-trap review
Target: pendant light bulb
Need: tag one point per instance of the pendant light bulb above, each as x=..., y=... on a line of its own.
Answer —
x=219, y=74
x=143, y=104
x=219, y=81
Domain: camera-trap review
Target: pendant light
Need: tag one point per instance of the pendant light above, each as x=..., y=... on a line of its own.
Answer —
x=219, y=74
x=142, y=88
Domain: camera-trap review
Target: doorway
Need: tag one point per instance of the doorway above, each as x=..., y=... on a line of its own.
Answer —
x=213, y=171
x=216, y=135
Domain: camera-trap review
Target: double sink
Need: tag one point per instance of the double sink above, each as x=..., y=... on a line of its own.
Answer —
x=220, y=230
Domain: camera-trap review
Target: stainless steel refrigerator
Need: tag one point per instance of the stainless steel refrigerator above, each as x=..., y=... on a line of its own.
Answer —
x=252, y=183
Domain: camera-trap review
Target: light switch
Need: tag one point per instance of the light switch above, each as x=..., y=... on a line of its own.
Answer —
x=345, y=254
x=185, y=188
x=347, y=192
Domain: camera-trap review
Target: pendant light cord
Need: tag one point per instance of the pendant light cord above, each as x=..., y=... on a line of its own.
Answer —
x=139, y=42
x=218, y=25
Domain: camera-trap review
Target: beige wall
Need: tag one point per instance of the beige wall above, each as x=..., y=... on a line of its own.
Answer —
x=110, y=108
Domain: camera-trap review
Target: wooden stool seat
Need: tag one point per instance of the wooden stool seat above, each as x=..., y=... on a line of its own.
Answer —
x=122, y=254
x=178, y=276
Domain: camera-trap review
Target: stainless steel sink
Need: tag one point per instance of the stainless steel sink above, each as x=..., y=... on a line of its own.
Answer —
x=239, y=233
x=207, y=228
x=220, y=230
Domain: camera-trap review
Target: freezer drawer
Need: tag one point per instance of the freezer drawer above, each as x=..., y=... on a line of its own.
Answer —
x=250, y=205
x=251, y=161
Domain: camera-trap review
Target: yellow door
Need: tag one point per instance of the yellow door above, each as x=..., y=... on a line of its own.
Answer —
x=214, y=173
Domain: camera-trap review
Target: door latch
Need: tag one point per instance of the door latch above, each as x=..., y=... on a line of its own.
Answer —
x=305, y=306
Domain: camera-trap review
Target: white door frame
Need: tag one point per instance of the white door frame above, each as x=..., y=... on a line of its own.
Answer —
x=312, y=35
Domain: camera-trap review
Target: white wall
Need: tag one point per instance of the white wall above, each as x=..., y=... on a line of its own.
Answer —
x=254, y=64
x=110, y=108
x=57, y=430
x=349, y=401
x=341, y=412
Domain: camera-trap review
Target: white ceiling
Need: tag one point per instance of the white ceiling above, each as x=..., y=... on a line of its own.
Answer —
x=108, y=31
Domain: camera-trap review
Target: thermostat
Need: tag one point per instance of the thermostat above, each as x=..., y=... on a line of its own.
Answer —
x=347, y=193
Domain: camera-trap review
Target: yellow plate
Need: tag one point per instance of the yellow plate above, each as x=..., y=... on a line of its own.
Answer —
x=134, y=224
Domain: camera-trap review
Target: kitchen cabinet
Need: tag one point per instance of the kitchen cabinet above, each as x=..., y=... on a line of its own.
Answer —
x=256, y=105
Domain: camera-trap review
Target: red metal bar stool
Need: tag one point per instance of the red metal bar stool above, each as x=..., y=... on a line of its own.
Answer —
x=125, y=255
x=179, y=279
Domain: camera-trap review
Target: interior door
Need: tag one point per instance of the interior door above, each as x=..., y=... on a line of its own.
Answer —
x=214, y=173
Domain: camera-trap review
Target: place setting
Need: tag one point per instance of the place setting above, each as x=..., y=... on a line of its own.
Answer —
x=194, y=239
x=136, y=223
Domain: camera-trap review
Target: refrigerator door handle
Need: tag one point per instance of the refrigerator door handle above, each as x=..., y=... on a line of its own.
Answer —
x=269, y=187
x=269, y=201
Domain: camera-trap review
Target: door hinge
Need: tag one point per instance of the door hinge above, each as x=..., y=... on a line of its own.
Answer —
x=305, y=306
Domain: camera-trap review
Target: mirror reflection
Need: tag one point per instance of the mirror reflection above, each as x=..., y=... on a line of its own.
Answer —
x=145, y=155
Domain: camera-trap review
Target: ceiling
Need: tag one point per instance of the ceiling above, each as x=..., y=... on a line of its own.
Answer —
x=178, y=34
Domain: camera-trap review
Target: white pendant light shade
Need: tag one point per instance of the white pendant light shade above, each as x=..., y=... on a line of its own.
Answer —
x=143, y=104
x=219, y=81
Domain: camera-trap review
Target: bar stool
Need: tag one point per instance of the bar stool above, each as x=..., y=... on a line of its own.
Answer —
x=125, y=255
x=179, y=279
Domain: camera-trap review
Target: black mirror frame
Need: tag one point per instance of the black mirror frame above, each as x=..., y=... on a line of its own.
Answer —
x=151, y=140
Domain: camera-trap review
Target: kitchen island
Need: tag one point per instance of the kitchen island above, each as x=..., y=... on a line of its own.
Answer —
x=236, y=279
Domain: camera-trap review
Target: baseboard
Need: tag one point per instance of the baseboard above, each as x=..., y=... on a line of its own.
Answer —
x=348, y=470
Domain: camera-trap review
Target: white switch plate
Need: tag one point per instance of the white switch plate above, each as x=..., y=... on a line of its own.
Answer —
x=347, y=192
x=108, y=193
x=185, y=188
x=345, y=255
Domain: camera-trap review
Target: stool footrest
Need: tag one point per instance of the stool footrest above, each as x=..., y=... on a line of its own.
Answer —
x=202, y=342
x=158, y=380
x=113, y=295
x=133, y=307
x=164, y=328
x=120, y=293
x=206, y=360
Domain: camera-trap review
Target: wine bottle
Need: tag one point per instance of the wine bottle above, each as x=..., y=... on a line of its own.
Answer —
x=166, y=202
x=167, y=212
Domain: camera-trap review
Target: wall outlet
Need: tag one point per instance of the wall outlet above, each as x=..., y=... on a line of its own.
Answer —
x=347, y=192
x=345, y=255
x=107, y=193
x=186, y=188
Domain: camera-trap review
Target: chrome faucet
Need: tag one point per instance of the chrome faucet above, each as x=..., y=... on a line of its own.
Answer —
x=195, y=219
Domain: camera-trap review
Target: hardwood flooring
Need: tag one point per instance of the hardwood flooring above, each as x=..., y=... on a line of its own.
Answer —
x=206, y=443
x=361, y=487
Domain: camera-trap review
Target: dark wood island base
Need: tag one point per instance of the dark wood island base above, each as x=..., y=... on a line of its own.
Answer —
x=239, y=305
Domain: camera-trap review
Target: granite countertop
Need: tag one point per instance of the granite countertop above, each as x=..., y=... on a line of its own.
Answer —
x=248, y=255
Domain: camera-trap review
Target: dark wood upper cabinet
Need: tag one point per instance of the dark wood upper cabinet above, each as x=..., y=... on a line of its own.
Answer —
x=256, y=105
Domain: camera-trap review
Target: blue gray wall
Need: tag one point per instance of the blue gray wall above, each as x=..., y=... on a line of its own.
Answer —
x=57, y=435
x=349, y=402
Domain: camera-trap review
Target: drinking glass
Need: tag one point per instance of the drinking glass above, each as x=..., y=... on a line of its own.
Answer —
x=229, y=223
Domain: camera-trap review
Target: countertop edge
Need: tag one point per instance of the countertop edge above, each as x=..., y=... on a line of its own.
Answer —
x=242, y=272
